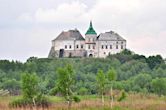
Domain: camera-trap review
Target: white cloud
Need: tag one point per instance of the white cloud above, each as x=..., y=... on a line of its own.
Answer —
x=64, y=13
x=141, y=22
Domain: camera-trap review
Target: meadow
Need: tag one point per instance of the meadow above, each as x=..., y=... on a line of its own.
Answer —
x=134, y=101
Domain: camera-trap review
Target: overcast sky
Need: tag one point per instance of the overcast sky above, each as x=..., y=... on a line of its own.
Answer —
x=28, y=26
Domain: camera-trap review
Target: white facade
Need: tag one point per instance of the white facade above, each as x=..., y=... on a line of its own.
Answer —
x=73, y=44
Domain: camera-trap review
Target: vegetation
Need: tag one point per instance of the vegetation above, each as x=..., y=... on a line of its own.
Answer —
x=30, y=95
x=71, y=77
x=65, y=83
x=101, y=82
x=134, y=101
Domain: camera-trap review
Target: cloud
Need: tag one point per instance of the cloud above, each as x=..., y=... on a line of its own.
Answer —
x=140, y=22
x=64, y=13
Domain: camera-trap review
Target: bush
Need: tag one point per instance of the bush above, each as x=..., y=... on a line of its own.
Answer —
x=83, y=91
x=123, y=96
x=39, y=101
x=20, y=103
x=76, y=99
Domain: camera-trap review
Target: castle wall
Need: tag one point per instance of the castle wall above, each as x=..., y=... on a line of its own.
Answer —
x=60, y=44
x=109, y=47
x=71, y=48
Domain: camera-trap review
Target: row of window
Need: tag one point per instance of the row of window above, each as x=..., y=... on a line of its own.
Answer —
x=93, y=47
x=77, y=46
x=110, y=47
x=89, y=47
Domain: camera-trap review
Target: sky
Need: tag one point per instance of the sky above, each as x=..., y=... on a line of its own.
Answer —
x=28, y=26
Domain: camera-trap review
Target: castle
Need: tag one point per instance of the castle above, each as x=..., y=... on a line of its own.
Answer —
x=73, y=44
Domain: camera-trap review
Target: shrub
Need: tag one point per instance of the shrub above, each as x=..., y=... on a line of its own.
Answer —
x=76, y=99
x=123, y=96
x=39, y=101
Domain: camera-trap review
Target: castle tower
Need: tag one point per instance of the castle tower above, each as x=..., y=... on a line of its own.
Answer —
x=90, y=41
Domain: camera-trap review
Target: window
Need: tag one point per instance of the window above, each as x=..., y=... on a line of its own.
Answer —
x=94, y=39
x=88, y=46
x=89, y=40
x=106, y=47
x=82, y=46
x=110, y=46
x=93, y=47
x=77, y=46
x=116, y=46
x=70, y=46
x=102, y=46
x=122, y=42
x=121, y=46
x=104, y=53
x=65, y=46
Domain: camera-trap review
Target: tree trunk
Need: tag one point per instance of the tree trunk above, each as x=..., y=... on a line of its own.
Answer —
x=69, y=104
x=102, y=98
x=112, y=99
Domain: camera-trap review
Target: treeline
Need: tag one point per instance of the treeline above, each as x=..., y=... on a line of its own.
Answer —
x=134, y=73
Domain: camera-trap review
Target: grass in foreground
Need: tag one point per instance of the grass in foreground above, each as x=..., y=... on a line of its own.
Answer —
x=133, y=102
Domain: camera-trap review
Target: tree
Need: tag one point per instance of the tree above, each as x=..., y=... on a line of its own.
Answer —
x=159, y=86
x=32, y=96
x=66, y=80
x=29, y=86
x=101, y=82
x=83, y=91
x=112, y=75
x=126, y=52
x=12, y=86
x=143, y=81
x=154, y=61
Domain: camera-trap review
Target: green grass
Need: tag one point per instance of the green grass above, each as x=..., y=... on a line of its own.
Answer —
x=92, y=102
x=88, y=97
x=56, y=99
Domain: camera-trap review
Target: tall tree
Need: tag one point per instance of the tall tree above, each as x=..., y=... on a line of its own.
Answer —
x=112, y=75
x=29, y=86
x=66, y=80
x=101, y=83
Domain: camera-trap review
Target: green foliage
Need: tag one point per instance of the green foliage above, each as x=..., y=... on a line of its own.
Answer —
x=65, y=83
x=159, y=86
x=12, y=86
x=29, y=85
x=76, y=99
x=123, y=96
x=83, y=91
x=101, y=81
x=31, y=95
x=66, y=79
x=21, y=102
x=126, y=52
x=112, y=75
x=143, y=80
x=154, y=61
x=127, y=65
x=40, y=101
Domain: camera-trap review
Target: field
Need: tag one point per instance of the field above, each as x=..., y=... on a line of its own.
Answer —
x=133, y=102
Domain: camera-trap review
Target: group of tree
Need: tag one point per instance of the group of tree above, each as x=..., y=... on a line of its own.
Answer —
x=32, y=95
x=133, y=73
x=103, y=80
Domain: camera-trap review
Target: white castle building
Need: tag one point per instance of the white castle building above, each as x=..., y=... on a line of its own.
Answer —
x=73, y=44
